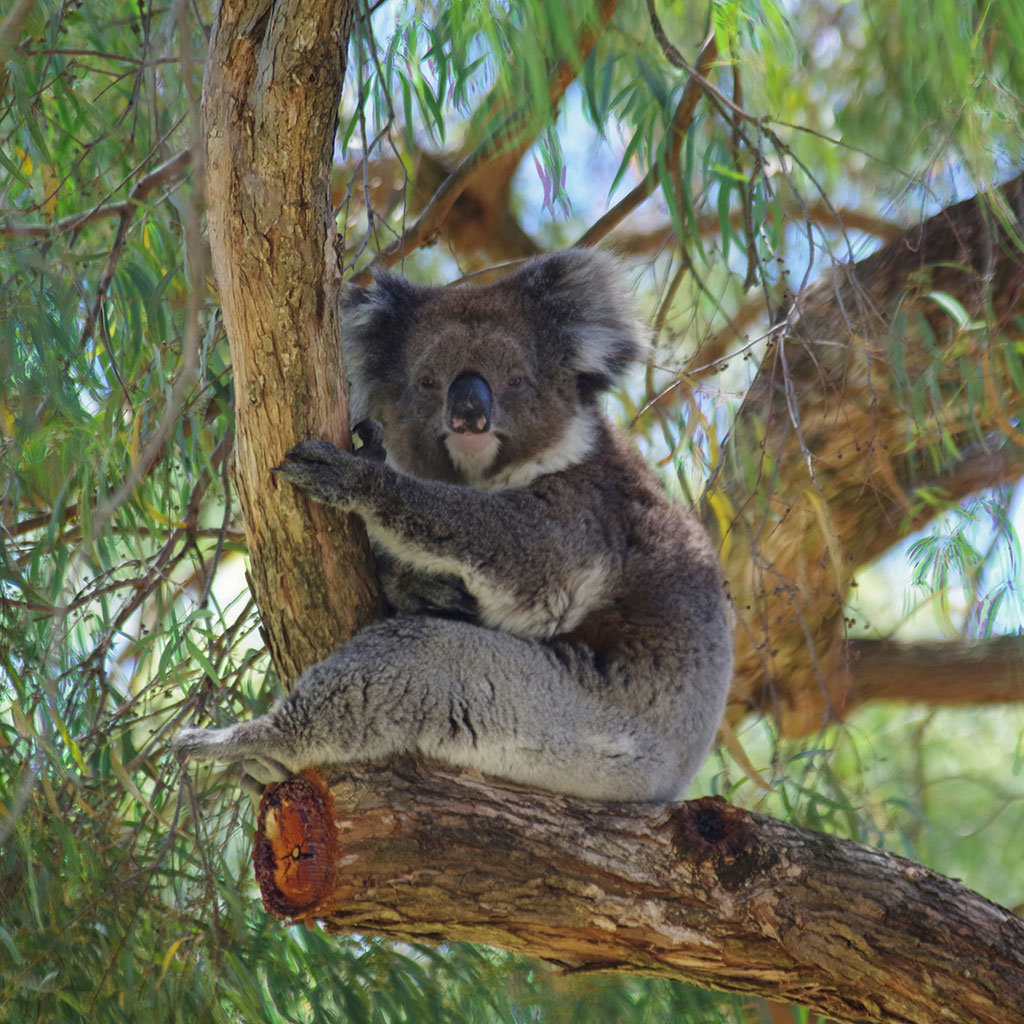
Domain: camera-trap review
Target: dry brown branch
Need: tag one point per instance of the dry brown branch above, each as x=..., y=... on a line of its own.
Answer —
x=843, y=218
x=708, y=357
x=840, y=455
x=942, y=672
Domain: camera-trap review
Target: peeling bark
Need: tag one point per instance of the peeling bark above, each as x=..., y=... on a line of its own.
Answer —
x=698, y=891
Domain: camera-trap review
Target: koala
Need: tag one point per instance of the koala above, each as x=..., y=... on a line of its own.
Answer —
x=558, y=622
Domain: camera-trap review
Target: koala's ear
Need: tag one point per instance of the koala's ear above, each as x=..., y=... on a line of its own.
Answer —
x=581, y=293
x=365, y=309
x=374, y=326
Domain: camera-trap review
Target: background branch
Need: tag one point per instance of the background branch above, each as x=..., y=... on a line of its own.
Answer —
x=938, y=672
x=491, y=164
x=679, y=125
x=839, y=469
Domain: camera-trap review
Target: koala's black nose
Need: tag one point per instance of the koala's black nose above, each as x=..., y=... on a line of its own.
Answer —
x=469, y=405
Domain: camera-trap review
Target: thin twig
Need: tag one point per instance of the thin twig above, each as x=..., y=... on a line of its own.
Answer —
x=681, y=121
x=166, y=172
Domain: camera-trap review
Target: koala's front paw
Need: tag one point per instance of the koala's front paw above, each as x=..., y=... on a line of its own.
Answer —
x=325, y=473
x=318, y=451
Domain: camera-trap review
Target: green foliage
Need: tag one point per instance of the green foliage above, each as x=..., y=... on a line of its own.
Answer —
x=126, y=894
x=930, y=784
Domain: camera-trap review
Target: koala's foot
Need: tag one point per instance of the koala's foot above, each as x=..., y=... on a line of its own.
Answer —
x=256, y=741
x=265, y=771
x=238, y=742
x=194, y=744
x=258, y=774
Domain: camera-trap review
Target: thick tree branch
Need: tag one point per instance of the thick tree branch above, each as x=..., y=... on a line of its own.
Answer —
x=700, y=891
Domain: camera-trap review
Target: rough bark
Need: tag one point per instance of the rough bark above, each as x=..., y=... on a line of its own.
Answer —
x=699, y=891
x=829, y=452
x=270, y=101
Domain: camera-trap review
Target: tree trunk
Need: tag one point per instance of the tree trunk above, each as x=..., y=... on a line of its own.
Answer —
x=701, y=892
x=270, y=107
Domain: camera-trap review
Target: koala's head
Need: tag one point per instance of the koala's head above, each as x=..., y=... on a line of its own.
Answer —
x=495, y=384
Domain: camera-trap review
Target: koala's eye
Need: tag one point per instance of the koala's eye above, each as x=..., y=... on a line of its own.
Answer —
x=515, y=383
x=429, y=384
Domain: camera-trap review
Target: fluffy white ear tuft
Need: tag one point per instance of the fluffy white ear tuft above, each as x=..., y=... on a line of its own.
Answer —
x=582, y=291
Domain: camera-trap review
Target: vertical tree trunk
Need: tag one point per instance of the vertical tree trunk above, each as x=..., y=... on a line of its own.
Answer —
x=273, y=82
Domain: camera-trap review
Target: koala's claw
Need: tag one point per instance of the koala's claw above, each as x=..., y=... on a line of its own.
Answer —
x=231, y=744
x=325, y=472
x=264, y=771
x=371, y=436
x=257, y=775
x=316, y=451
x=190, y=744
x=253, y=789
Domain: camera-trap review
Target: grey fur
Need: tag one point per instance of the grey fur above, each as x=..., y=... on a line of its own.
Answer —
x=576, y=634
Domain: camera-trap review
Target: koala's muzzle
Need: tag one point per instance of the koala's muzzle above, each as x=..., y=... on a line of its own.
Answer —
x=469, y=405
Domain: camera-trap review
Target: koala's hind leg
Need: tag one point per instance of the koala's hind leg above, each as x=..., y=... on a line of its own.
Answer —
x=253, y=743
x=463, y=694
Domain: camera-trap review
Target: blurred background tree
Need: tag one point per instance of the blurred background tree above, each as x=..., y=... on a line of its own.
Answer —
x=864, y=489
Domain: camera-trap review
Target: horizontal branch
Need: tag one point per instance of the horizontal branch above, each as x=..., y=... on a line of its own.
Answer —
x=842, y=218
x=700, y=891
x=989, y=671
x=981, y=466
